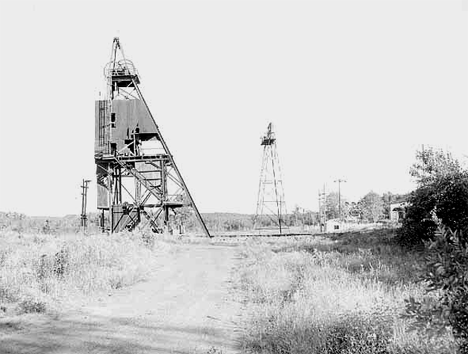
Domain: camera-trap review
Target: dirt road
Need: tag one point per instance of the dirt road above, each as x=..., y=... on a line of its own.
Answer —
x=188, y=306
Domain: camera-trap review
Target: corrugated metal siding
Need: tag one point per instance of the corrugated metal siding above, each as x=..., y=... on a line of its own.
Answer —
x=130, y=115
x=101, y=131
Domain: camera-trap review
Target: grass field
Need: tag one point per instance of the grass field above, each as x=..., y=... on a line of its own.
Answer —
x=39, y=272
x=337, y=294
x=343, y=294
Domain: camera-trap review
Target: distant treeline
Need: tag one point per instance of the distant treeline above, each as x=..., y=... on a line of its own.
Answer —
x=242, y=222
x=21, y=223
x=216, y=222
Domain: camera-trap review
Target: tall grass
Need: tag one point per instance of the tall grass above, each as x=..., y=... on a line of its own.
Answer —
x=341, y=295
x=39, y=271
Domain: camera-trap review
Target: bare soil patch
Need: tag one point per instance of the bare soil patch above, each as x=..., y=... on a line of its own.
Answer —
x=188, y=305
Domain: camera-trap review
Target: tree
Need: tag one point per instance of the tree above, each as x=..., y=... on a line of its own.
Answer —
x=185, y=219
x=452, y=201
x=310, y=217
x=432, y=165
x=441, y=200
x=301, y=217
x=418, y=224
x=391, y=198
x=372, y=206
x=332, y=208
x=355, y=209
x=441, y=197
x=297, y=216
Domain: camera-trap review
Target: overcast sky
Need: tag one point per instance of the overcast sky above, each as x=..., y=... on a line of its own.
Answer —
x=352, y=87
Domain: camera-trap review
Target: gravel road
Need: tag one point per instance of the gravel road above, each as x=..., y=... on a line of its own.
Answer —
x=187, y=306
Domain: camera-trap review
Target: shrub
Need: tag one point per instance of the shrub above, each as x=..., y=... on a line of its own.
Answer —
x=418, y=224
x=452, y=201
x=31, y=306
x=358, y=334
x=447, y=278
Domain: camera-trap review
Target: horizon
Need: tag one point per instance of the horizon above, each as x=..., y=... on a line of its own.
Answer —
x=290, y=212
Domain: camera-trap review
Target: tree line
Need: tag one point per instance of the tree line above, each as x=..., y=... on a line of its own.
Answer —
x=372, y=207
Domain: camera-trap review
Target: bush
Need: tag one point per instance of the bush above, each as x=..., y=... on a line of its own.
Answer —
x=419, y=224
x=447, y=278
x=452, y=202
x=31, y=306
x=358, y=334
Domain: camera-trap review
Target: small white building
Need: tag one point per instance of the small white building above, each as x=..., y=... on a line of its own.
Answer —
x=333, y=225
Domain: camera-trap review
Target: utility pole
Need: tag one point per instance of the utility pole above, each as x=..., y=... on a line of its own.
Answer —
x=322, y=207
x=84, y=200
x=339, y=195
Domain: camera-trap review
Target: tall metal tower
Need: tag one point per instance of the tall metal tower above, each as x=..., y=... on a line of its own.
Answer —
x=137, y=177
x=271, y=206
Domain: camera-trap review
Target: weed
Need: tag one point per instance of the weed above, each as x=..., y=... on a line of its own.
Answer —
x=55, y=268
x=31, y=306
x=339, y=295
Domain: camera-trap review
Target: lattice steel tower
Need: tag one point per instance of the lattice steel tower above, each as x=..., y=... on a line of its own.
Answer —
x=137, y=177
x=271, y=206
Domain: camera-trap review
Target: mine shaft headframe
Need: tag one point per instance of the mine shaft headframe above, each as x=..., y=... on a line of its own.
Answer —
x=123, y=80
x=269, y=137
x=120, y=73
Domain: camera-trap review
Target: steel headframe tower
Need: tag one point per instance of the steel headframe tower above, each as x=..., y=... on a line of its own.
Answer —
x=270, y=203
x=137, y=177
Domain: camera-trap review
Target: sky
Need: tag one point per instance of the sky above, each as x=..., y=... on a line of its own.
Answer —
x=353, y=89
